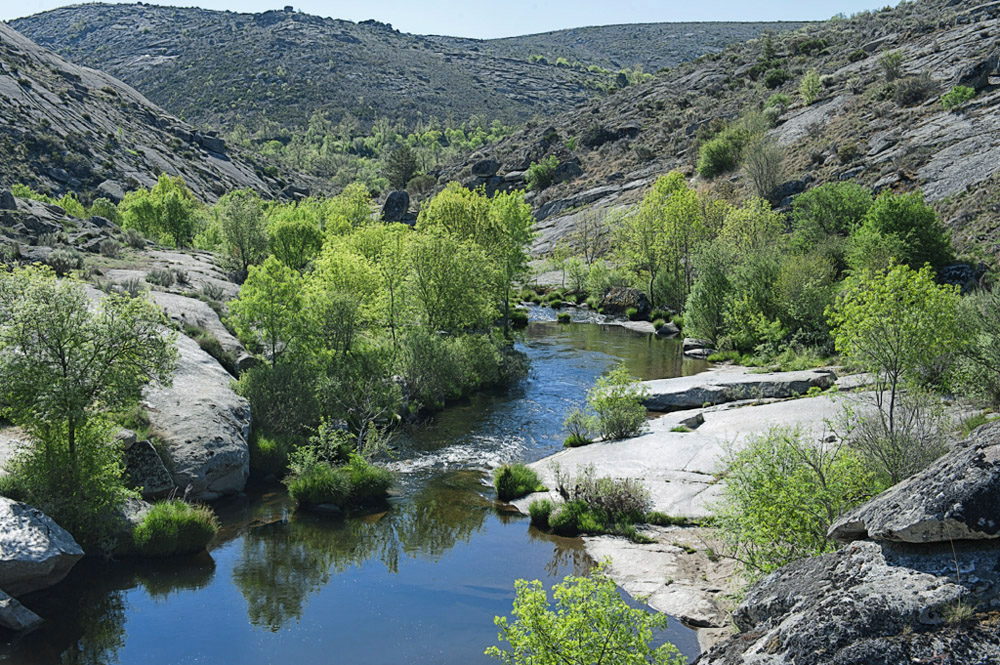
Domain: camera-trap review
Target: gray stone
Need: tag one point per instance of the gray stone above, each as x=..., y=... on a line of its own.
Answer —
x=35, y=552
x=514, y=176
x=485, y=168
x=566, y=171
x=868, y=603
x=103, y=223
x=112, y=190
x=7, y=201
x=246, y=361
x=397, y=204
x=145, y=470
x=956, y=498
x=668, y=329
x=194, y=312
x=617, y=300
x=720, y=387
x=15, y=616
x=691, y=343
x=204, y=424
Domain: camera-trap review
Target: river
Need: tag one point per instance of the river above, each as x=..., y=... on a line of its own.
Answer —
x=417, y=584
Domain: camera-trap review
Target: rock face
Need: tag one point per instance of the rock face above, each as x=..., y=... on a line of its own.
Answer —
x=485, y=168
x=35, y=552
x=617, y=300
x=15, y=616
x=144, y=469
x=956, y=498
x=7, y=201
x=204, y=424
x=868, y=603
x=397, y=204
x=719, y=387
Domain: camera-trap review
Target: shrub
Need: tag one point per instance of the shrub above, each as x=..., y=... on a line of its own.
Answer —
x=892, y=65
x=580, y=428
x=174, y=528
x=269, y=454
x=978, y=369
x=519, y=317
x=539, y=175
x=564, y=317
x=590, y=623
x=160, y=277
x=810, y=87
x=957, y=96
x=658, y=323
x=914, y=89
x=617, y=400
x=632, y=313
x=781, y=495
x=110, y=248
x=314, y=481
x=63, y=260
x=134, y=239
x=775, y=78
x=513, y=481
x=778, y=100
x=909, y=226
x=539, y=510
x=719, y=155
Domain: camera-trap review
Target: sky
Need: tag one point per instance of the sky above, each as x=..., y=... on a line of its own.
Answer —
x=462, y=18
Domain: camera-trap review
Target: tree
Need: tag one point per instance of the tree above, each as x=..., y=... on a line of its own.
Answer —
x=268, y=309
x=705, y=310
x=907, y=220
x=400, y=166
x=781, y=495
x=810, y=87
x=835, y=208
x=241, y=217
x=167, y=211
x=752, y=228
x=617, y=398
x=763, y=160
x=294, y=239
x=897, y=325
x=67, y=365
x=590, y=625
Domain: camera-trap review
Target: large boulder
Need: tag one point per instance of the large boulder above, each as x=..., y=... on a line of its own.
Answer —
x=617, y=300
x=15, y=616
x=204, y=424
x=485, y=168
x=35, y=552
x=566, y=171
x=956, y=498
x=7, y=201
x=397, y=204
x=869, y=603
x=197, y=313
x=144, y=469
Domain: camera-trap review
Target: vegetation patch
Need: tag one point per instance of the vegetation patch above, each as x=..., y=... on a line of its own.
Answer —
x=512, y=481
x=174, y=528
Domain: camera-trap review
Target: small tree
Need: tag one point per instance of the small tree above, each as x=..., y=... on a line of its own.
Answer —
x=617, y=398
x=907, y=220
x=590, y=625
x=763, y=161
x=900, y=326
x=835, y=208
x=268, y=309
x=400, y=166
x=295, y=240
x=810, y=87
x=241, y=217
x=892, y=65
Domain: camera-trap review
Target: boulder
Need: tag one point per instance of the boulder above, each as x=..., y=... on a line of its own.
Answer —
x=692, y=343
x=7, y=201
x=397, y=204
x=194, y=312
x=103, y=223
x=619, y=299
x=35, y=552
x=15, y=616
x=731, y=385
x=566, y=171
x=145, y=470
x=485, y=168
x=204, y=424
x=868, y=603
x=112, y=190
x=668, y=329
x=955, y=498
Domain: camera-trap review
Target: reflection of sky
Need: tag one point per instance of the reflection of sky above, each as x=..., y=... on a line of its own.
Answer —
x=418, y=584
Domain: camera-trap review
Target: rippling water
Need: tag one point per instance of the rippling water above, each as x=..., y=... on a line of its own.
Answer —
x=418, y=583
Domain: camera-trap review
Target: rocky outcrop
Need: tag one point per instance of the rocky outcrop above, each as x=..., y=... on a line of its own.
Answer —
x=197, y=313
x=730, y=385
x=144, y=470
x=35, y=552
x=396, y=207
x=15, y=616
x=617, y=300
x=204, y=424
x=956, y=498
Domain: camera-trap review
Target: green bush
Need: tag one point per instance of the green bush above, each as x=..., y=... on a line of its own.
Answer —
x=580, y=428
x=539, y=175
x=775, y=78
x=519, y=317
x=810, y=87
x=617, y=400
x=957, y=96
x=564, y=317
x=63, y=260
x=269, y=453
x=173, y=528
x=539, y=510
x=314, y=481
x=512, y=481
x=662, y=519
x=160, y=277
x=658, y=323
x=907, y=227
x=719, y=155
x=632, y=313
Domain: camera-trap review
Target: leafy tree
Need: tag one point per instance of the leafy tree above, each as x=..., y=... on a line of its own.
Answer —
x=978, y=371
x=763, y=161
x=810, y=87
x=781, y=495
x=705, y=310
x=617, y=398
x=400, y=166
x=268, y=309
x=168, y=211
x=244, y=232
x=752, y=228
x=835, y=208
x=907, y=220
x=295, y=240
x=338, y=298
x=384, y=246
x=65, y=367
x=590, y=625
x=897, y=325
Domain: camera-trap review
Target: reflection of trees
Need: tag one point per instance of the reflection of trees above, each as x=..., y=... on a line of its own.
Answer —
x=281, y=565
x=102, y=629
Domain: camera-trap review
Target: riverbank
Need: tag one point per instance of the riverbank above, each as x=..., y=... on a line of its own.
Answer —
x=678, y=460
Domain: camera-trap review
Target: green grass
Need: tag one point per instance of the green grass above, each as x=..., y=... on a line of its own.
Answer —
x=173, y=528
x=662, y=519
x=683, y=429
x=512, y=481
x=356, y=483
x=658, y=323
x=519, y=317
x=575, y=441
x=539, y=512
x=971, y=423
x=269, y=453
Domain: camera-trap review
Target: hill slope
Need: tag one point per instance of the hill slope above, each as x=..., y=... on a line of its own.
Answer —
x=223, y=68
x=67, y=128
x=882, y=133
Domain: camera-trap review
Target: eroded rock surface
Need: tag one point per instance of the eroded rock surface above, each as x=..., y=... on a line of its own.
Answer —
x=730, y=385
x=35, y=552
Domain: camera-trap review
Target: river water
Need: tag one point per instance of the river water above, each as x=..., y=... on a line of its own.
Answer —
x=419, y=583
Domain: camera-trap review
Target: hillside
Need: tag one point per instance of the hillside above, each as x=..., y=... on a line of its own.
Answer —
x=863, y=126
x=221, y=68
x=65, y=128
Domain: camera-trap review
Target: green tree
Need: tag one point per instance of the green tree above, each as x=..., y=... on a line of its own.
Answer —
x=590, y=625
x=705, y=310
x=897, y=325
x=268, y=309
x=781, y=495
x=617, y=399
x=753, y=228
x=294, y=239
x=400, y=166
x=909, y=223
x=835, y=208
x=166, y=212
x=244, y=232
x=810, y=87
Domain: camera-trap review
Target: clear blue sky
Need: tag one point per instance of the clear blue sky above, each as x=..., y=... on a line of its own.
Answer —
x=464, y=18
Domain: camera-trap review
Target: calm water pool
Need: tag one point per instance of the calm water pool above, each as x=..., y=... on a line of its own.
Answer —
x=419, y=583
